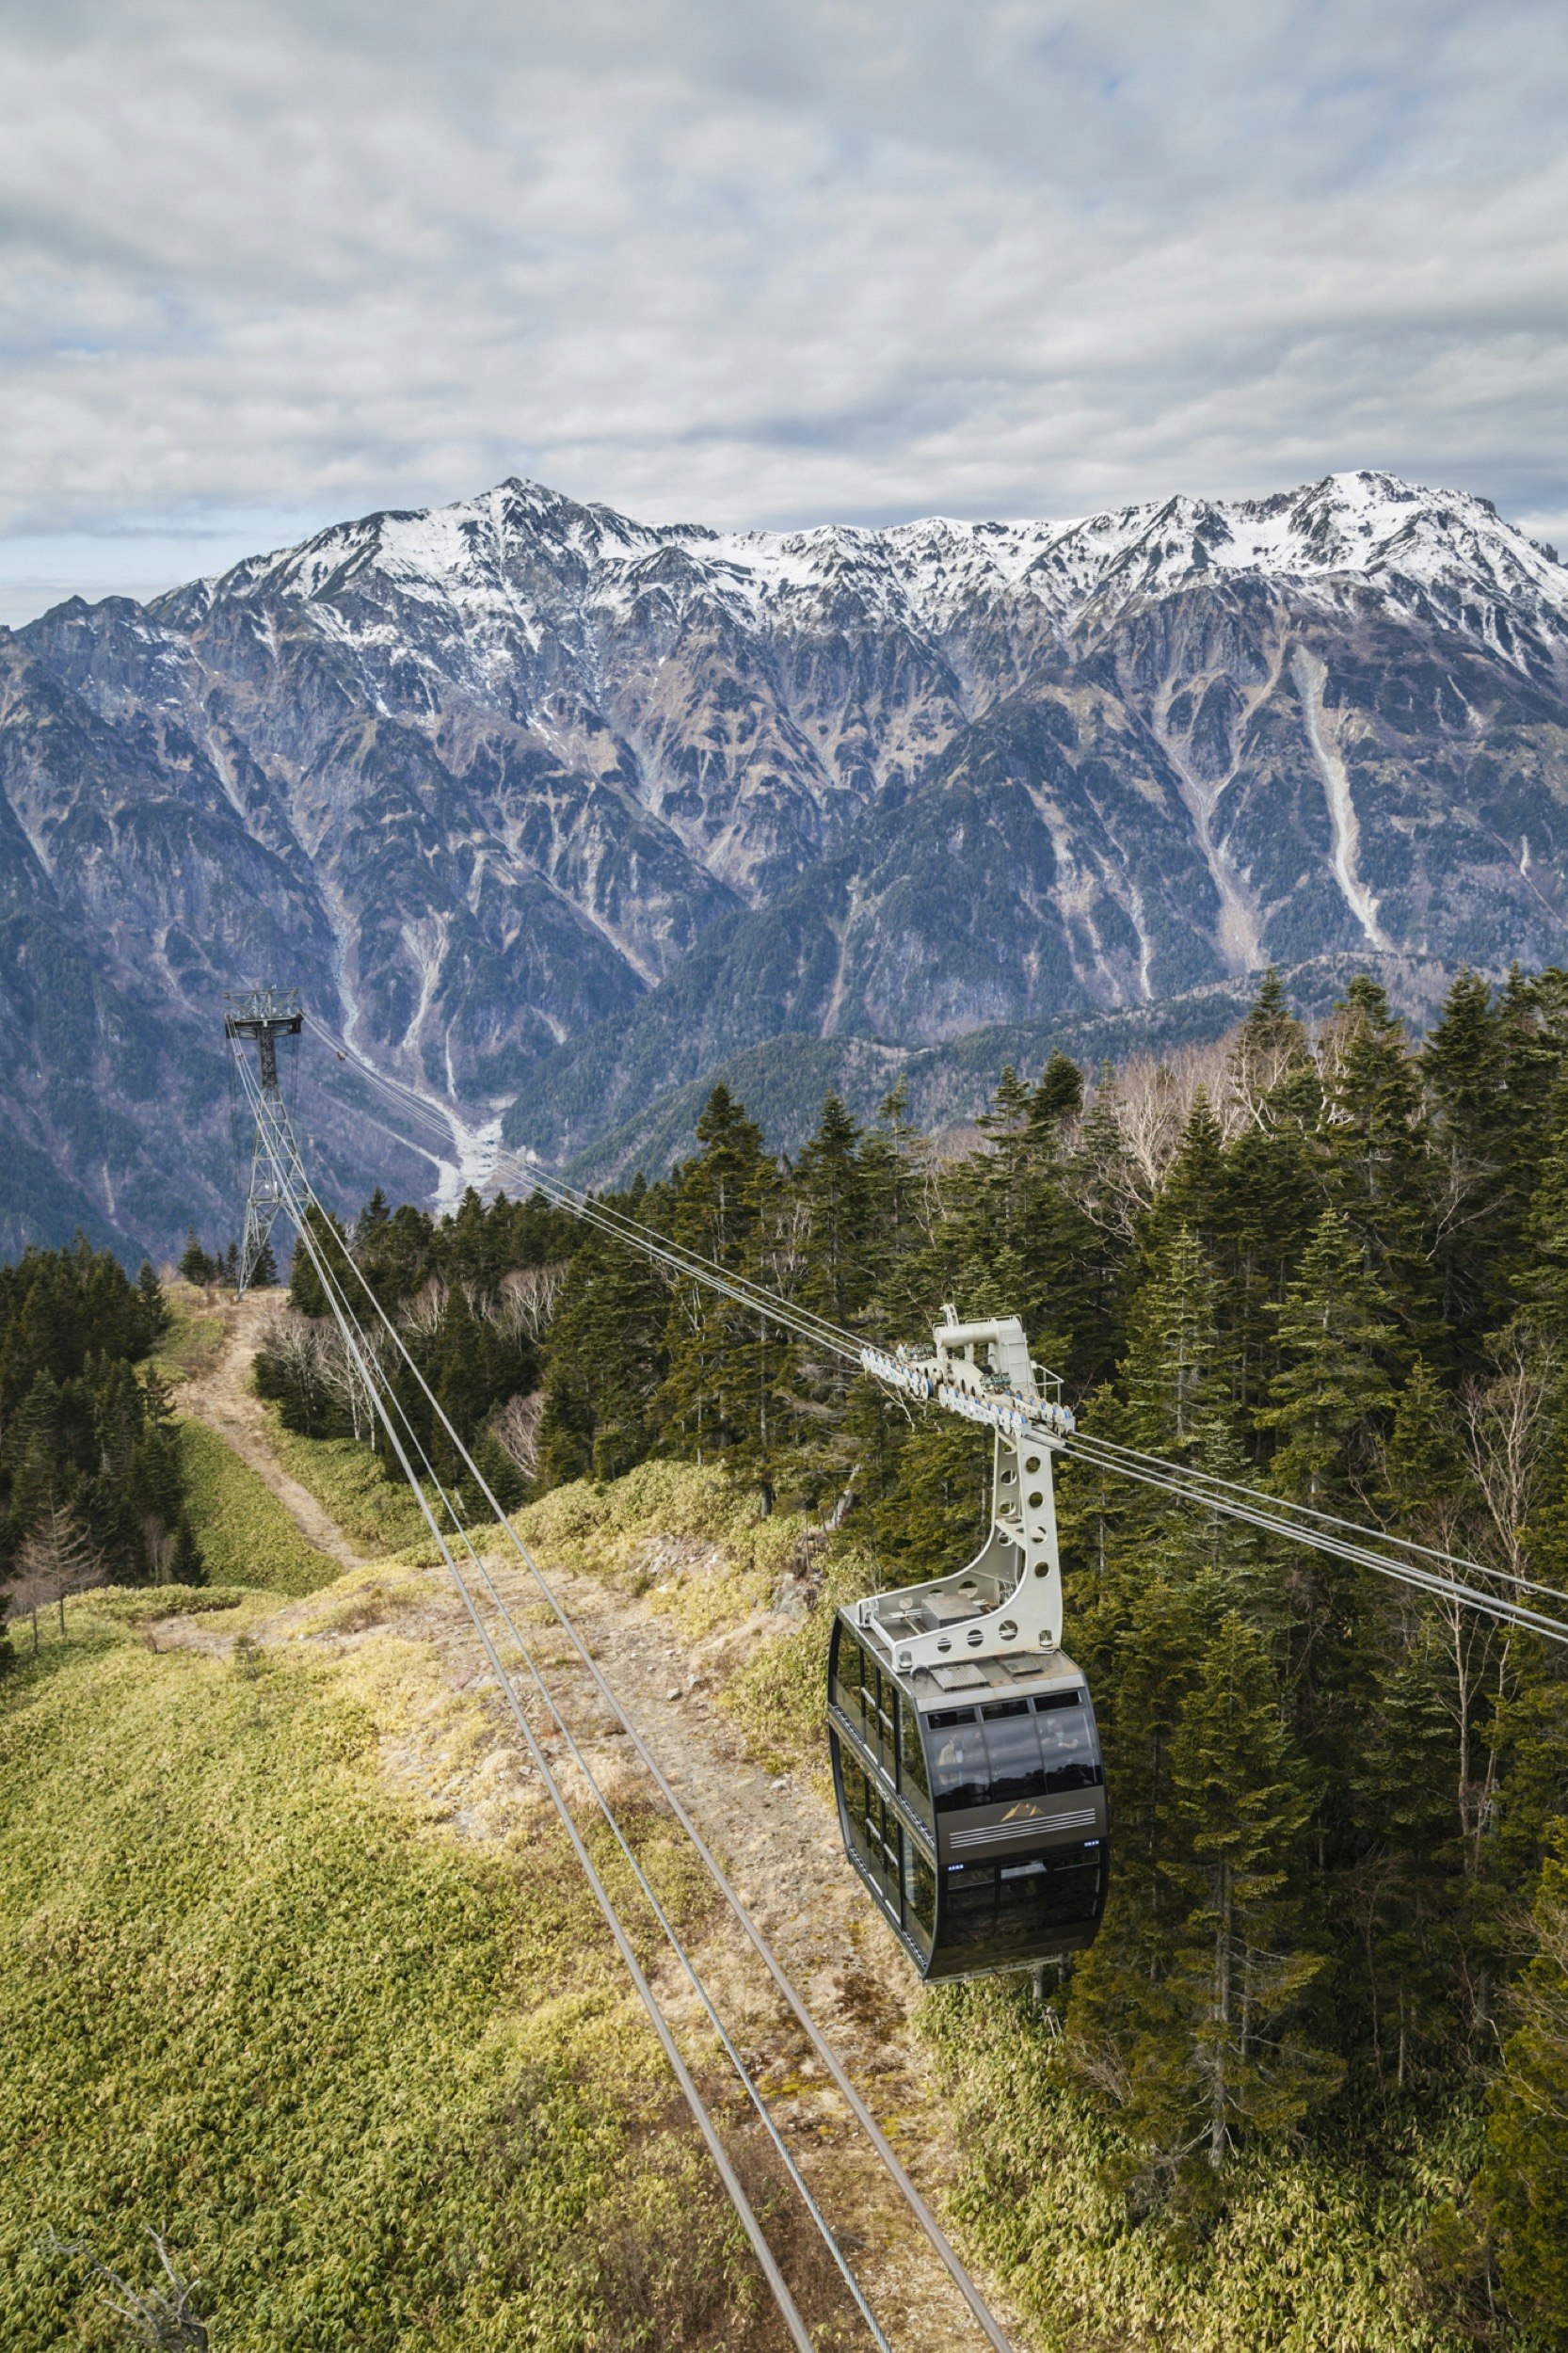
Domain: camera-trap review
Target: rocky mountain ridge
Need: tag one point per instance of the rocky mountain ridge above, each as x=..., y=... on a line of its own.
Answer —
x=549, y=810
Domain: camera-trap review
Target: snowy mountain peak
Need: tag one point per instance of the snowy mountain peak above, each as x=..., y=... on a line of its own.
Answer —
x=510, y=560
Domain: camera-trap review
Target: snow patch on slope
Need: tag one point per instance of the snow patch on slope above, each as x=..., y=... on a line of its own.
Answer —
x=1310, y=674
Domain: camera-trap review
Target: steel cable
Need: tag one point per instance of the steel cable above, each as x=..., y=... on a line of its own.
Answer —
x=1294, y=1523
x=771, y=2272
x=927, y=2221
x=922, y=2211
x=465, y=1533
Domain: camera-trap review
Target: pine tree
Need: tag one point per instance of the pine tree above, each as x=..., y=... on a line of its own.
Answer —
x=1327, y=1399
x=832, y=1186
x=1377, y=1141
x=195, y=1265
x=1057, y=1098
x=305, y=1286
x=607, y=1359
x=1240, y=1968
x=1479, y=1150
x=720, y=1355
x=1194, y=1187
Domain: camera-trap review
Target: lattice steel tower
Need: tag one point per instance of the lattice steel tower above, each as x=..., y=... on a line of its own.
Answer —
x=265, y=1014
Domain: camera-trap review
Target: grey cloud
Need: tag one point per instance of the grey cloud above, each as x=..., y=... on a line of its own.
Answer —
x=774, y=262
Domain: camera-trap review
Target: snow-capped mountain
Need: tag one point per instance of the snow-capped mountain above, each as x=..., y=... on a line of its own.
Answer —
x=551, y=808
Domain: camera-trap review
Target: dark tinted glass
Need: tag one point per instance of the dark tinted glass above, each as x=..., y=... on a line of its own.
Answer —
x=993, y=1910
x=960, y=1774
x=1013, y=1745
x=846, y=1682
x=913, y=1779
x=855, y=1804
x=1067, y=1734
x=919, y=1891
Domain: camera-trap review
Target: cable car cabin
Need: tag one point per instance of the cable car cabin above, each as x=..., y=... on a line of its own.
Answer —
x=972, y=1803
x=965, y=1758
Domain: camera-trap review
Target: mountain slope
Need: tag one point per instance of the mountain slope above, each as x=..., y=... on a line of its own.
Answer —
x=548, y=808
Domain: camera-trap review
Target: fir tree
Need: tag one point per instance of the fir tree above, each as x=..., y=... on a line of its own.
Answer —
x=1376, y=1141
x=1058, y=1098
x=1478, y=1154
x=834, y=1189
x=1240, y=1968
x=195, y=1265
x=712, y=1396
x=1327, y=1399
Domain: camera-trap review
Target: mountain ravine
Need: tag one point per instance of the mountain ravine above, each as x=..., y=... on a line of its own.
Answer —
x=549, y=811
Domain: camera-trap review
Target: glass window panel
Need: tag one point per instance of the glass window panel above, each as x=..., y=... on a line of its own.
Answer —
x=994, y=1911
x=960, y=1775
x=913, y=1779
x=887, y=1696
x=1012, y=1744
x=919, y=1891
x=969, y=1901
x=884, y=1828
x=847, y=1682
x=1067, y=1736
x=855, y=1794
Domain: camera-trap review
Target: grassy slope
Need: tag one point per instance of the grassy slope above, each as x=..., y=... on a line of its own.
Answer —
x=1315, y=2253
x=247, y=1537
x=378, y=2090
x=375, y=1513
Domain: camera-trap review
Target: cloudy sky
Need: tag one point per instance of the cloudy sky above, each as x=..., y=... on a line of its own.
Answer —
x=762, y=261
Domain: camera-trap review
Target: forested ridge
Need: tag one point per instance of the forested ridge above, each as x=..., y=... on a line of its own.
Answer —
x=1334, y=1265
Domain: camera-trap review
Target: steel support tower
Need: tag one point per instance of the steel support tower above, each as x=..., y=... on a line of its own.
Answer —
x=265, y=1014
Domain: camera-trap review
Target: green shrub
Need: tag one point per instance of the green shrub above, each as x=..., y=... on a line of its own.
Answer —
x=133, y=1605
x=1303, y=2251
x=247, y=1537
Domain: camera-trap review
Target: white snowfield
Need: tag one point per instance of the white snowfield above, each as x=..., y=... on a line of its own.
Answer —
x=516, y=563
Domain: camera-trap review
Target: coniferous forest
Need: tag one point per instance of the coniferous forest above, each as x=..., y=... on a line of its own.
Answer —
x=91, y=1488
x=1333, y=1266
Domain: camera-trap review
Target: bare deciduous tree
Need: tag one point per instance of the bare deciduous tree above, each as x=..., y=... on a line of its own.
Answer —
x=159, y=1543
x=515, y=1427
x=163, y=2318
x=424, y=1312
x=318, y=1363
x=55, y=1558
x=527, y=1299
x=1505, y=1435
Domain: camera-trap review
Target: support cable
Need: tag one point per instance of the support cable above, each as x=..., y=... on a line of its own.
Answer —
x=1128, y=1455
x=771, y=2272
x=1258, y=1512
x=917, y=2206
x=463, y=1531
x=1296, y=1524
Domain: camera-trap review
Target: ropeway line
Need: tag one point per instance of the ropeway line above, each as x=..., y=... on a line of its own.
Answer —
x=295, y=1182
x=773, y=2277
x=1386, y=1555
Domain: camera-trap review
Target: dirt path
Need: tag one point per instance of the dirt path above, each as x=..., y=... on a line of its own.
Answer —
x=779, y=1840
x=221, y=1395
x=775, y=1835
